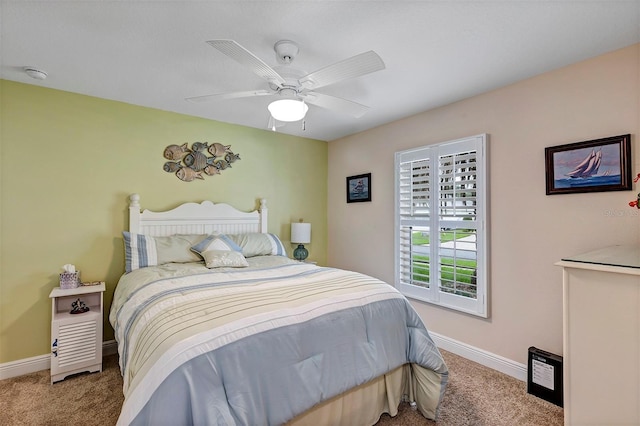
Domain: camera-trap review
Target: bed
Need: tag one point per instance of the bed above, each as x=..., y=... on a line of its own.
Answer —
x=215, y=325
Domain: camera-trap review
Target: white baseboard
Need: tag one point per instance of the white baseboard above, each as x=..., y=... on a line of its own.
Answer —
x=482, y=357
x=42, y=362
x=488, y=359
x=24, y=366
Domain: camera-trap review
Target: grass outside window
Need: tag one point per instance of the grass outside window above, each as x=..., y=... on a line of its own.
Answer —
x=457, y=276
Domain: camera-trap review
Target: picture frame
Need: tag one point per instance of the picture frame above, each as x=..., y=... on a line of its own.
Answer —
x=591, y=166
x=359, y=188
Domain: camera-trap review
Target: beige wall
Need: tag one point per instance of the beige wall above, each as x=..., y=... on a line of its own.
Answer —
x=68, y=165
x=529, y=230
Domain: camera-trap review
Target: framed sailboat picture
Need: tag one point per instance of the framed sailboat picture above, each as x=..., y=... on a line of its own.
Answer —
x=591, y=166
x=359, y=188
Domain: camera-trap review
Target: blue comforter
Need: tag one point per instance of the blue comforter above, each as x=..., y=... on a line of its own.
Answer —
x=260, y=345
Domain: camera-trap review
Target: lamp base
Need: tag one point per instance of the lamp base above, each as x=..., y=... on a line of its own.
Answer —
x=300, y=253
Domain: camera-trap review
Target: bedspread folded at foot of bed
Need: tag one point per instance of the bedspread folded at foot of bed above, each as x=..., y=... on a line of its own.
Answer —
x=261, y=345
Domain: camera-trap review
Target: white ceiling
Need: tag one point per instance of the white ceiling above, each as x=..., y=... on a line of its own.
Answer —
x=153, y=53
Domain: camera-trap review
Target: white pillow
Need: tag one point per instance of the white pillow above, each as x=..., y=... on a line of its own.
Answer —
x=177, y=248
x=222, y=258
x=144, y=250
x=259, y=244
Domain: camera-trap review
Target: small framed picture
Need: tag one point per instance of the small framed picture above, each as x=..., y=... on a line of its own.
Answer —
x=591, y=166
x=359, y=188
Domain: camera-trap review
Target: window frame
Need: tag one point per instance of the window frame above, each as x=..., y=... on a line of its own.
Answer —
x=432, y=294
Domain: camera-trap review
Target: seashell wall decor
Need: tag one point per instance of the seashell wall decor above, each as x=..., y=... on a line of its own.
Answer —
x=189, y=164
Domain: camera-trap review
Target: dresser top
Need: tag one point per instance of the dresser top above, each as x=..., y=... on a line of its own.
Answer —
x=627, y=256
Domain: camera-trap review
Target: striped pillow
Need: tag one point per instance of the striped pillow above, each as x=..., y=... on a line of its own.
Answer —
x=215, y=242
x=259, y=244
x=139, y=251
x=144, y=250
x=277, y=248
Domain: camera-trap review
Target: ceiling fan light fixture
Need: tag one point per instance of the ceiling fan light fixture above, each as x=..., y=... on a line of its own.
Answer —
x=288, y=110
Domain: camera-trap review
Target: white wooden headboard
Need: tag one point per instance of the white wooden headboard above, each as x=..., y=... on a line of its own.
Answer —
x=194, y=218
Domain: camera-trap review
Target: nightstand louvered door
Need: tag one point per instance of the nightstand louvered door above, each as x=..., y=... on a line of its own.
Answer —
x=76, y=339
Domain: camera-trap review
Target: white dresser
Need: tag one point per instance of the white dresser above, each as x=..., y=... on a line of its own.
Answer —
x=601, y=302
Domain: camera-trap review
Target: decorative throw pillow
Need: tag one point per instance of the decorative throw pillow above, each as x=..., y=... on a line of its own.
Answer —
x=144, y=250
x=259, y=244
x=215, y=242
x=222, y=258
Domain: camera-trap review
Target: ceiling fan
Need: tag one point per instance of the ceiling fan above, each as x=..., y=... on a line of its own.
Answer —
x=295, y=88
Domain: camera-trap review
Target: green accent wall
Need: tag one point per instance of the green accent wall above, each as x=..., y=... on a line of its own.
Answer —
x=68, y=165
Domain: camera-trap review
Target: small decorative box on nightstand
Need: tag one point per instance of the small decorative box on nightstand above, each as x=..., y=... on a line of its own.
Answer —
x=76, y=338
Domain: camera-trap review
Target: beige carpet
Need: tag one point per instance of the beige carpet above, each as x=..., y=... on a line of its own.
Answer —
x=476, y=396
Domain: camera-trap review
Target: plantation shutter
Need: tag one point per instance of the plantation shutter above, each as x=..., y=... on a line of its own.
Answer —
x=440, y=211
x=414, y=206
x=457, y=219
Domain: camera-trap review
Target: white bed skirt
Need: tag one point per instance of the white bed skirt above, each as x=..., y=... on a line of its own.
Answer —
x=363, y=405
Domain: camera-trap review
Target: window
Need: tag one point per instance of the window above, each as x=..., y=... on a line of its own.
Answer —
x=441, y=208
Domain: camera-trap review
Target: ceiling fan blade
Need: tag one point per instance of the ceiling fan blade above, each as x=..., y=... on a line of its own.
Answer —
x=354, y=66
x=333, y=103
x=231, y=95
x=248, y=59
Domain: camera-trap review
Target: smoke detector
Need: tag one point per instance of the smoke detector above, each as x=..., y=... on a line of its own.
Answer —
x=35, y=73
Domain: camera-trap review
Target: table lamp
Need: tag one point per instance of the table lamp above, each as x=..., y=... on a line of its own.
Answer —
x=300, y=234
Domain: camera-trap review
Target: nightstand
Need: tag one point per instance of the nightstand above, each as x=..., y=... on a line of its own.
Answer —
x=76, y=339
